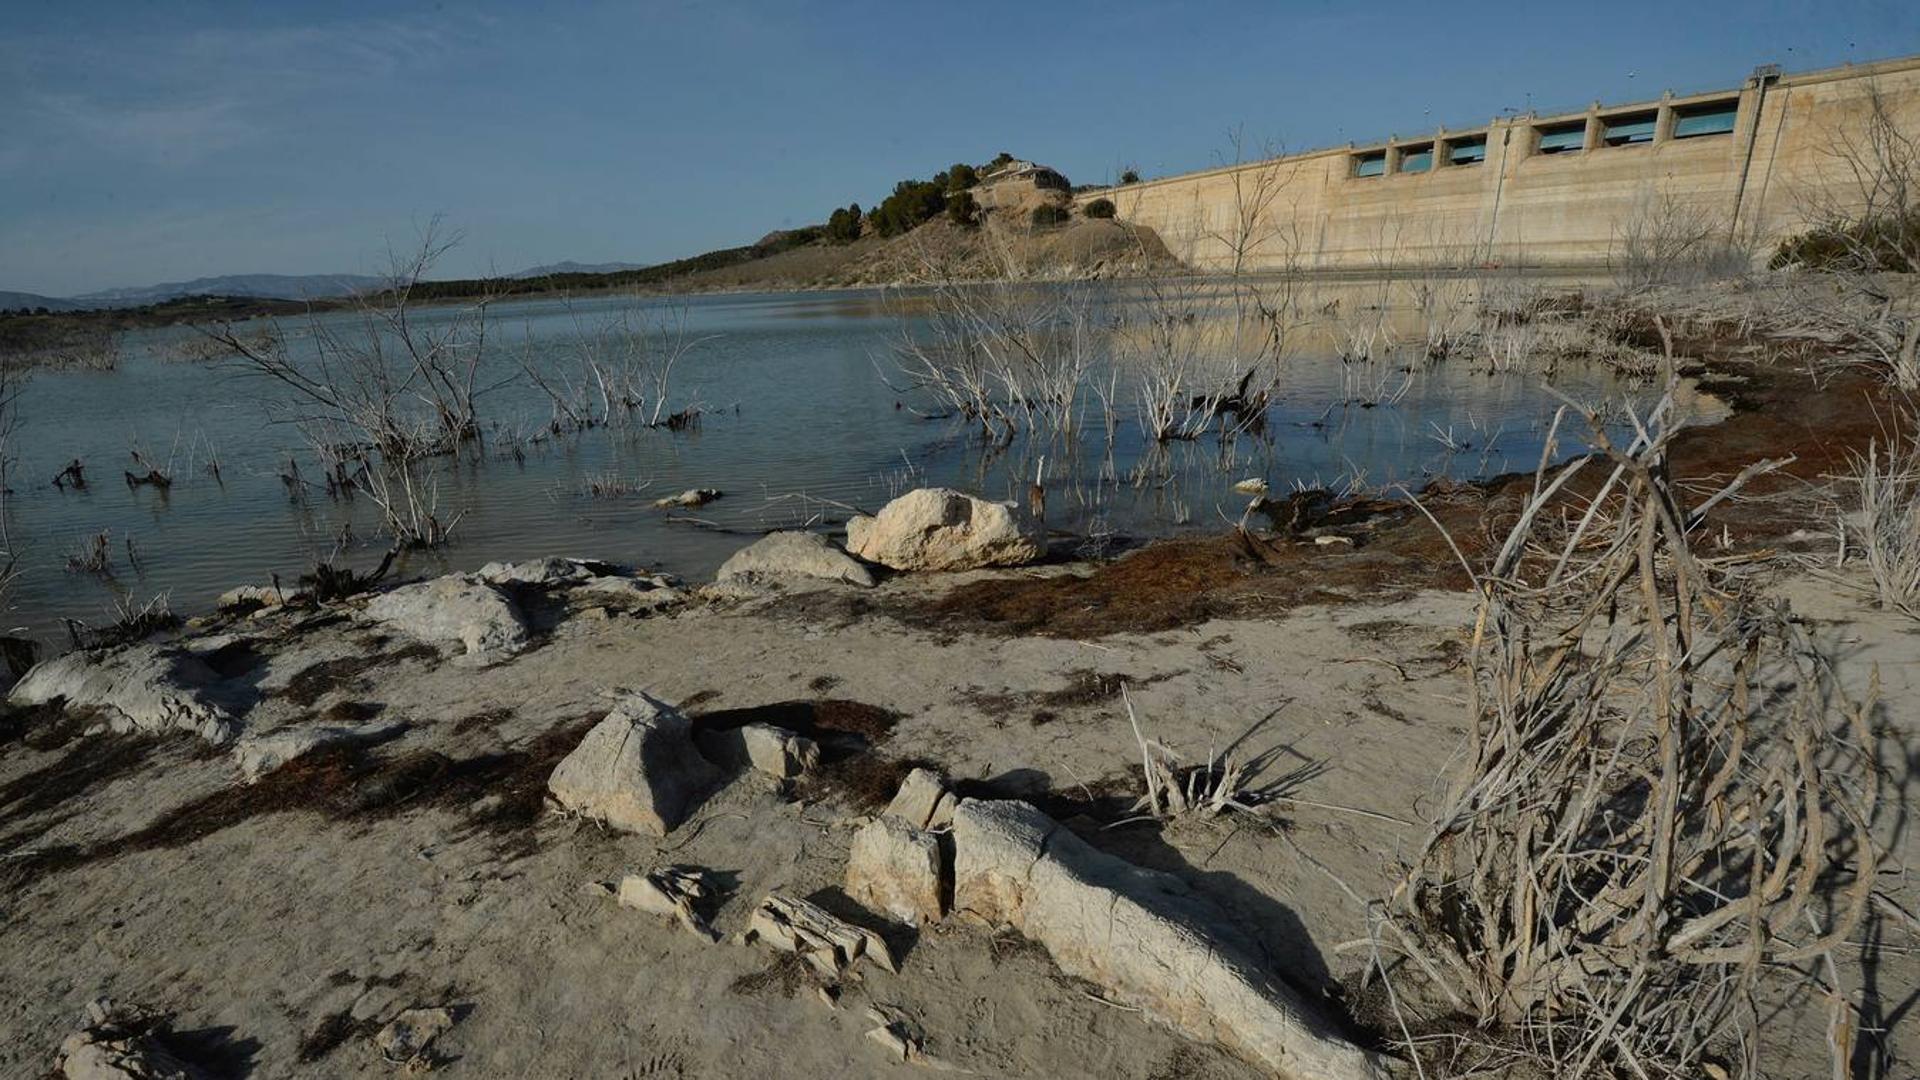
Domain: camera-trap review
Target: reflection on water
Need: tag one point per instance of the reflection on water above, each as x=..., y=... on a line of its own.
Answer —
x=799, y=427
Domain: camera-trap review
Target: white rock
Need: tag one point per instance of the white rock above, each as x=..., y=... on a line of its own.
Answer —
x=942, y=529
x=796, y=554
x=896, y=869
x=543, y=573
x=248, y=597
x=636, y=770
x=772, y=750
x=1142, y=937
x=923, y=801
x=672, y=891
x=412, y=1034
x=828, y=943
x=455, y=609
x=257, y=755
x=152, y=688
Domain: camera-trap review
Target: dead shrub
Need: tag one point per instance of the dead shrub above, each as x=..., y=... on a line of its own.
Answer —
x=1664, y=809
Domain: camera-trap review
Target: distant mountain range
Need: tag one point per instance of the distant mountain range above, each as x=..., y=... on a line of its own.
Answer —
x=270, y=286
x=26, y=301
x=260, y=286
x=578, y=268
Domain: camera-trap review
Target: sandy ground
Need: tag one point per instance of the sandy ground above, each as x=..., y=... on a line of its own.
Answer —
x=279, y=935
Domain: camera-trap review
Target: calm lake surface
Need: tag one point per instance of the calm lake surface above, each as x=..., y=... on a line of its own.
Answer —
x=799, y=424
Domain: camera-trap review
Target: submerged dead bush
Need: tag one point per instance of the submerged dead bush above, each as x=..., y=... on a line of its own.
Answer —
x=1664, y=809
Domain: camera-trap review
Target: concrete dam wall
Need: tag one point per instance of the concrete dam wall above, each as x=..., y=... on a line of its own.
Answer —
x=1751, y=164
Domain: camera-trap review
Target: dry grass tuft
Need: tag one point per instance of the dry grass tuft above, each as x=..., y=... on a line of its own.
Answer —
x=1885, y=527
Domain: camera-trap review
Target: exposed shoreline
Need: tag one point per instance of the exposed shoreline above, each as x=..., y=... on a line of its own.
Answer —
x=429, y=870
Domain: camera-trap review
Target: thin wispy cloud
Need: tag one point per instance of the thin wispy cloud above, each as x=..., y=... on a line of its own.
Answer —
x=177, y=97
x=158, y=133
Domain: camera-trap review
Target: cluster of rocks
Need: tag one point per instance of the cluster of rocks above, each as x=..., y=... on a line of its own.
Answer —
x=1141, y=935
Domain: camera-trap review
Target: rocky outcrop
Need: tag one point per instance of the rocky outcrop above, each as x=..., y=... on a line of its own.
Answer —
x=772, y=750
x=1143, y=937
x=636, y=770
x=455, y=610
x=151, y=688
x=257, y=755
x=896, y=869
x=785, y=555
x=942, y=529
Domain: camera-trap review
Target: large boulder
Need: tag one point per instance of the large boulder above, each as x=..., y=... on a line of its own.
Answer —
x=455, y=610
x=636, y=770
x=897, y=870
x=783, y=555
x=943, y=529
x=1141, y=935
x=151, y=688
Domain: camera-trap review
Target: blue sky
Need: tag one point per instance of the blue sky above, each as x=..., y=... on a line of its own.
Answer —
x=142, y=142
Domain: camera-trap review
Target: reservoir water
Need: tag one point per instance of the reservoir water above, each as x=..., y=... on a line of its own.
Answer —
x=802, y=418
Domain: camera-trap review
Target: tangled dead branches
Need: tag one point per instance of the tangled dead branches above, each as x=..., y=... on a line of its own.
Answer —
x=1666, y=799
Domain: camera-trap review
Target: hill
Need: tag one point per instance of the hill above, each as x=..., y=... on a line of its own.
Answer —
x=571, y=267
x=263, y=286
x=25, y=301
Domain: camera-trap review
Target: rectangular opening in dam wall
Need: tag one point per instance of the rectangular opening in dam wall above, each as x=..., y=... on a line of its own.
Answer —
x=1711, y=118
x=1372, y=163
x=1471, y=150
x=1568, y=138
x=1629, y=129
x=1416, y=159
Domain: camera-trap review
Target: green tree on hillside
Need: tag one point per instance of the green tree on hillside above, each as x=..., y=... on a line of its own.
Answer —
x=912, y=202
x=843, y=225
x=961, y=177
x=1048, y=215
x=962, y=210
x=1129, y=176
